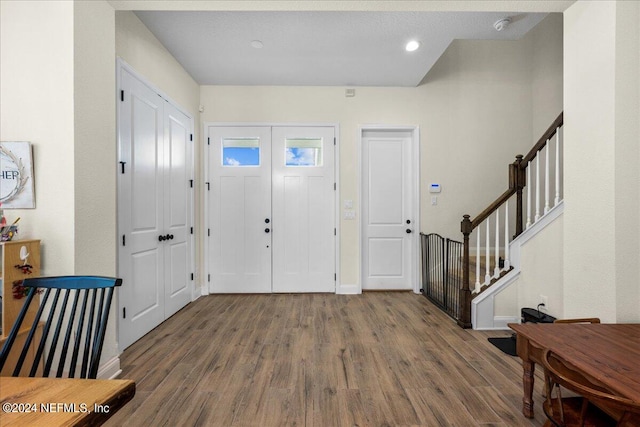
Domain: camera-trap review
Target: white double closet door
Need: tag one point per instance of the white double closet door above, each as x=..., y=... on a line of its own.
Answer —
x=271, y=209
x=155, y=200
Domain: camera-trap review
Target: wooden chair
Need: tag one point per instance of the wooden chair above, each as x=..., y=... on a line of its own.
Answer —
x=595, y=406
x=78, y=308
x=583, y=320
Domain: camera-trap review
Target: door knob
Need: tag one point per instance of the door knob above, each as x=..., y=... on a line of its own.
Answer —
x=169, y=237
x=266, y=230
x=409, y=231
x=161, y=238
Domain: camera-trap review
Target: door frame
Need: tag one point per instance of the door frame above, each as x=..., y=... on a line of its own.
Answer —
x=414, y=131
x=205, y=191
x=121, y=65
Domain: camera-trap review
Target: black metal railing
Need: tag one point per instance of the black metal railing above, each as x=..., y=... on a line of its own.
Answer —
x=442, y=270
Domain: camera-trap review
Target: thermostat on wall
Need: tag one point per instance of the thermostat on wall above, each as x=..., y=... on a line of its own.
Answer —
x=434, y=188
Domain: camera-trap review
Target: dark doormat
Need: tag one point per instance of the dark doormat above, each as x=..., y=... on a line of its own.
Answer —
x=506, y=345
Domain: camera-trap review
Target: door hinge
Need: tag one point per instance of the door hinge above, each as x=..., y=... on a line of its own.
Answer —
x=191, y=276
x=191, y=183
x=191, y=230
x=334, y=140
x=208, y=141
x=208, y=187
x=191, y=137
x=122, y=95
x=122, y=166
x=335, y=186
x=335, y=233
x=123, y=240
x=124, y=312
x=335, y=277
x=208, y=232
x=208, y=277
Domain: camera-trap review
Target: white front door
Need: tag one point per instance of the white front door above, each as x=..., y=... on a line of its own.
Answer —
x=303, y=209
x=271, y=209
x=154, y=209
x=239, y=209
x=387, y=210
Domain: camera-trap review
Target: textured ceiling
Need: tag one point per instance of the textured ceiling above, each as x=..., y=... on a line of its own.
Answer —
x=320, y=48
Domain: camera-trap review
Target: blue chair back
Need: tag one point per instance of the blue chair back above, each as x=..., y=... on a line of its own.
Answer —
x=78, y=310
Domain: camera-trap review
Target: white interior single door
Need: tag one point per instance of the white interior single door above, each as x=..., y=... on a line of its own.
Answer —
x=240, y=209
x=155, y=202
x=387, y=210
x=303, y=209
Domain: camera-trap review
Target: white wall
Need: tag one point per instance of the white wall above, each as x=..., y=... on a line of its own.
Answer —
x=601, y=104
x=137, y=46
x=476, y=103
x=37, y=87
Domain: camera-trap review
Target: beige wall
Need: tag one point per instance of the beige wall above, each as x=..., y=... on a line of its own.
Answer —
x=546, y=73
x=601, y=218
x=476, y=103
x=37, y=87
x=140, y=49
x=57, y=83
x=627, y=176
x=95, y=151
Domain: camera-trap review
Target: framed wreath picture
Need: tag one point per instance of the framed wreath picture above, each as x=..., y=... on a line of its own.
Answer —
x=16, y=175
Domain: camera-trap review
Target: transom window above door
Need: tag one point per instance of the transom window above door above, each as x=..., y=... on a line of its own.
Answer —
x=241, y=152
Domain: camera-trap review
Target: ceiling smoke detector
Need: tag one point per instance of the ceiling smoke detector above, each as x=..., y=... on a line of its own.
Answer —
x=502, y=24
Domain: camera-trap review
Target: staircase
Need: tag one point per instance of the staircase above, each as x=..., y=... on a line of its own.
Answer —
x=485, y=252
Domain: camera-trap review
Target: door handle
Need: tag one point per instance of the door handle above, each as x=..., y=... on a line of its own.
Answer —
x=409, y=231
x=266, y=230
x=162, y=238
x=169, y=237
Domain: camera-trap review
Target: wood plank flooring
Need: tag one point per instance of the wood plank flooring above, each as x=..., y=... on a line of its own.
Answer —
x=376, y=359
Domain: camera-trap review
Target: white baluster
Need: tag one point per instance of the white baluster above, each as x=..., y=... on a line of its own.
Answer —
x=507, y=264
x=487, y=275
x=496, y=269
x=546, y=178
x=478, y=262
x=537, y=217
x=529, y=195
x=557, y=199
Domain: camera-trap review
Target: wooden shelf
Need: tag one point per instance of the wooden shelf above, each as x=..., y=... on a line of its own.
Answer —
x=9, y=273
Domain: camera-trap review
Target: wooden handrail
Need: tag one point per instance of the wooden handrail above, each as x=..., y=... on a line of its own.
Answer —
x=492, y=208
x=517, y=181
x=542, y=141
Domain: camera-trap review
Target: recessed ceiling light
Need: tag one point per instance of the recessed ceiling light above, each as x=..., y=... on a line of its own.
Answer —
x=257, y=44
x=413, y=45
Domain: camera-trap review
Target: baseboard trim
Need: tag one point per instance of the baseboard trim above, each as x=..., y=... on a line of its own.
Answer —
x=501, y=322
x=343, y=289
x=110, y=369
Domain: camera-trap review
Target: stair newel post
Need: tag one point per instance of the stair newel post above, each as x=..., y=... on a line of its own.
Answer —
x=465, y=291
x=519, y=181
